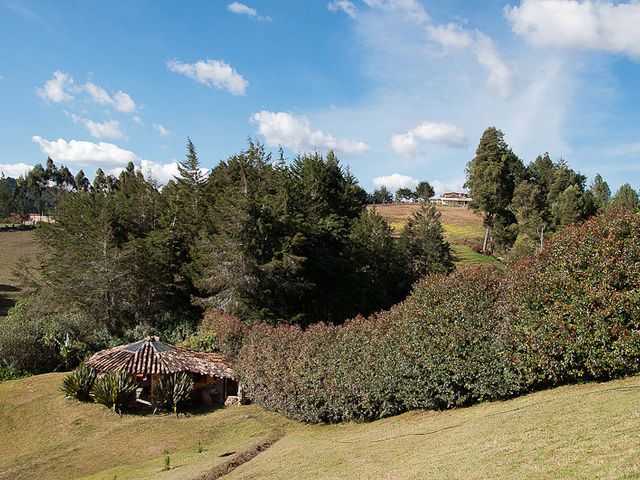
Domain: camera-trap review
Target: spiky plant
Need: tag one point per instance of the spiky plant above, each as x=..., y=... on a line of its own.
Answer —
x=171, y=391
x=115, y=390
x=78, y=384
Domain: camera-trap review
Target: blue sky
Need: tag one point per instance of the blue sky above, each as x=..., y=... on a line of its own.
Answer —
x=400, y=89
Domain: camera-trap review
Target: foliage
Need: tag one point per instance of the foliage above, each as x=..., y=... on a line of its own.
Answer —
x=567, y=314
x=492, y=176
x=423, y=242
x=172, y=391
x=79, y=383
x=115, y=390
x=600, y=191
x=229, y=331
x=38, y=342
x=424, y=191
x=381, y=195
x=203, y=342
x=626, y=197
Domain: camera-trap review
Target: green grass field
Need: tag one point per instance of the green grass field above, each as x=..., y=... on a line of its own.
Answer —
x=13, y=245
x=463, y=230
x=582, y=431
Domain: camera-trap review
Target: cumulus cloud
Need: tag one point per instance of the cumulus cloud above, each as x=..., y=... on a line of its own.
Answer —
x=58, y=89
x=81, y=152
x=344, y=5
x=120, y=100
x=444, y=134
x=213, y=73
x=413, y=9
x=242, y=9
x=395, y=181
x=106, y=129
x=580, y=25
x=162, y=130
x=107, y=156
x=453, y=36
x=282, y=128
x=14, y=170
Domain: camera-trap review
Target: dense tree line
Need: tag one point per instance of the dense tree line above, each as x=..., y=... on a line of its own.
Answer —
x=525, y=204
x=255, y=237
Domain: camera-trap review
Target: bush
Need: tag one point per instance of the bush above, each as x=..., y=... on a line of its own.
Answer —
x=171, y=391
x=115, y=390
x=203, y=342
x=570, y=313
x=36, y=342
x=229, y=331
x=78, y=384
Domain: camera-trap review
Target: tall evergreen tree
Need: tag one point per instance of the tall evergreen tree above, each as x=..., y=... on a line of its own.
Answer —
x=381, y=195
x=600, y=191
x=424, y=191
x=423, y=242
x=626, y=197
x=491, y=178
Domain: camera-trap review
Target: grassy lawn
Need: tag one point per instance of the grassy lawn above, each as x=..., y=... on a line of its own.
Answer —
x=13, y=245
x=46, y=436
x=582, y=431
x=577, y=432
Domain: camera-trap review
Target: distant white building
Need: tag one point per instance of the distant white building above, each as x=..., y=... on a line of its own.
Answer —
x=452, y=199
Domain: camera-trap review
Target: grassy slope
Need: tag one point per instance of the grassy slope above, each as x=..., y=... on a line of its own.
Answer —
x=47, y=436
x=584, y=431
x=13, y=244
x=463, y=229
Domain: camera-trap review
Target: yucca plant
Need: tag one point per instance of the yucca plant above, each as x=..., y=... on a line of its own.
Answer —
x=78, y=384
x=171, y=391
x=115, y=390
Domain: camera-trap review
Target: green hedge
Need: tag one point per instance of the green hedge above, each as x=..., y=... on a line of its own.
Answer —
x=571, y=313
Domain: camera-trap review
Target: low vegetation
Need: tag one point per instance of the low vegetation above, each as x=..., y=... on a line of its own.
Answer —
x=568, y=314
x=115, y=390
x=171, y=392
x=79, y=383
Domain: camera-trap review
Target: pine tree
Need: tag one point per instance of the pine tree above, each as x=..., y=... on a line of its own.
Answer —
x=82, y=182
x=569, y=206
x=382, y=195
x=626, y=197
x=423, y=242
x=491, y=178
x=404, y=194
x=601, y=192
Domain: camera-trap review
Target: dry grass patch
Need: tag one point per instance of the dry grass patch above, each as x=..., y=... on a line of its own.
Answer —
x=13, y=245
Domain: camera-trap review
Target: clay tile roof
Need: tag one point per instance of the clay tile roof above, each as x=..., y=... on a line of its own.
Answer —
x=151, y=356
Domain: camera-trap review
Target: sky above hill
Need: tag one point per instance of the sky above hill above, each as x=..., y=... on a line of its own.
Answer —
x=401, y=90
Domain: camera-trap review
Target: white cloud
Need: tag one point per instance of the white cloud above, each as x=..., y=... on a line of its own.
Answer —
x=450, y=35
x=213, y=73
x=444, y=134
x=58, y=89
x=81, y=152
x=107, y=156
x=120, y=100
x=282, y=128
x=242, y=9
x=412, y=8
x=162, y=130
x=440, y=187
x=580, y=25
x=345, y=5
x=453, y=36
x=395, y=181
x=137, y=120
x=14, y=170
x=107, y=129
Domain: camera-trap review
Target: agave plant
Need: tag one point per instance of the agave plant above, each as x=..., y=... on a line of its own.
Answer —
x=171, y=391
x=78, y=384
x=115, y=390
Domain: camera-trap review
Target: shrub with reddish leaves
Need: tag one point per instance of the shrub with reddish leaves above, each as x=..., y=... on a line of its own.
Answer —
x=570, y=313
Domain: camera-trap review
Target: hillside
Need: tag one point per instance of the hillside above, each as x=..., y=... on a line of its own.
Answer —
x=463, y=229
x=582, y=431
x=13, y=245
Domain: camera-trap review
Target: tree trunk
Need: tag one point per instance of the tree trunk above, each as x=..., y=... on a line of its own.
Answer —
x=486, y=239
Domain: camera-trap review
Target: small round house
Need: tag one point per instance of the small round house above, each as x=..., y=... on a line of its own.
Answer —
x=149, y=359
